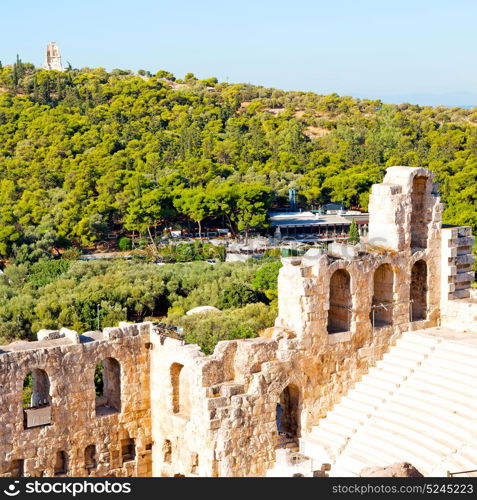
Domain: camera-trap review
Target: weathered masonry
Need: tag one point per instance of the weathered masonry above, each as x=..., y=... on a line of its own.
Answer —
x=67, y=428
x=339, y=312
x=166, y=409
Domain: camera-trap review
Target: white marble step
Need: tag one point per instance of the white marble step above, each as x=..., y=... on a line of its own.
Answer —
x=448, y=425
x=449, y=387
x=408, y=352
x=390, y=376
x=362, y=397
x=459, y=378
x=374, y=380
x=452, y=365
x=359, y=415
x=417, y=404
x=414, y=436
x=416, y=338
x=385, y=449
x=466, y=350
x=441, y=399
x=368, y=390
x=400, y=359
x=421, y=404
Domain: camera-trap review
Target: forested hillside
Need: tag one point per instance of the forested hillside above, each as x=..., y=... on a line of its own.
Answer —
x=84, y=153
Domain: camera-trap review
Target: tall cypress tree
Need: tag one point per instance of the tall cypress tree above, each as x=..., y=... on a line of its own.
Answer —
x=353, y=233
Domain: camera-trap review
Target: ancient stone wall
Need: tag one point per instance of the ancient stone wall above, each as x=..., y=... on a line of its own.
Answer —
x=338, y=313
x=186, y=414
x=83, y=435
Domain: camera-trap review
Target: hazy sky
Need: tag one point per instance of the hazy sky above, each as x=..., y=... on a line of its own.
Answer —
x=372, y=48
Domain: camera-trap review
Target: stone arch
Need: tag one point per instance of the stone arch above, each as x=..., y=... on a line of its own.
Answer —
x=167, y=451
x=419, y=216
x=418, y=291
x=194, y=463
x=90, y=457
x=61, y=463
x=340, y=302
x=17, y=468
x=383, y=295
x=180, y=389
x=128, y=449
x=36, y=389
x=288, y=417
x=107, y=380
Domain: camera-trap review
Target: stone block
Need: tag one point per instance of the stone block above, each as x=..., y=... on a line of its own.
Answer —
x=48, y=335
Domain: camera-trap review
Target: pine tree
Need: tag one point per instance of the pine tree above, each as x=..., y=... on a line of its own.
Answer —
x=353, y=233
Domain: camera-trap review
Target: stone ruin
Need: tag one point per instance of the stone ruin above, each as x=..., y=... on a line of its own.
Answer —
x=53, y=57
x=166, y=409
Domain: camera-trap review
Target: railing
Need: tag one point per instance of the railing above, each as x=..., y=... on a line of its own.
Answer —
x=452, y=474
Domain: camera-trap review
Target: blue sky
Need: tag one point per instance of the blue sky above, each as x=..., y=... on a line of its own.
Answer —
x=370, y=48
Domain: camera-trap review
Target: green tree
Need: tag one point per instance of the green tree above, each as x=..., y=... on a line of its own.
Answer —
x=353, y=237
x=194, y=203
x=252, y=202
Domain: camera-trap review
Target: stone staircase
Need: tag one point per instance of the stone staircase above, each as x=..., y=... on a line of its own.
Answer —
x=417, y=405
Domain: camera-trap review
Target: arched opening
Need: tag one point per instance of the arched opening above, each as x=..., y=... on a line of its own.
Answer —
x=61, y=463
x=36, y=399
x=419, y=219
x=418, y=293
x=339, y=313
x=288, y=423
x=17, y=468
x=194, y=463
x=167, y=451
x=107, y=382
x=180, y=389
x=383, y=289
x=128, y=449
x=36, y=389
x=90, y=457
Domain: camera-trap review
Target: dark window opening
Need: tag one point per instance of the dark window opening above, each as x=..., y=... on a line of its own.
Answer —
x=128, y=449
x=419, y=213
x=419, y=291
x=180, y=389
x=195, y=463
x=17, y=468
x=61, y=463
x=90, y=457
x=36, y=389
x=339, y=313
x=36, y=399
x=383, y=293
x=287, y=414
x=107, y=381
x=167, y=451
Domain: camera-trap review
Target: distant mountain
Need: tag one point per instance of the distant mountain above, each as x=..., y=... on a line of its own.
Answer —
x=453, y=99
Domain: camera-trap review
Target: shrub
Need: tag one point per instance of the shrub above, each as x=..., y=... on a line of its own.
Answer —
x=208, y=329
x=46, y=271
x=265, y=279
x=73, y=253
x=237, y=295
x=124, y=244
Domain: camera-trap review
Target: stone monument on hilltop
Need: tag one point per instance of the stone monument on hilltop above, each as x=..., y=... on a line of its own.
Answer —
x=53, y=57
